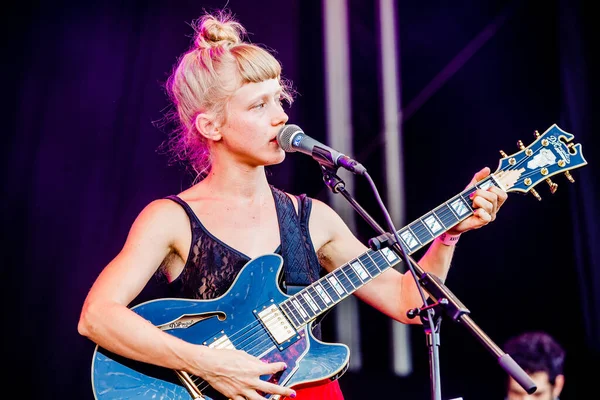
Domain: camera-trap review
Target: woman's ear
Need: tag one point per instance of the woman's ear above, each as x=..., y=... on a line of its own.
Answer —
x=207, y=126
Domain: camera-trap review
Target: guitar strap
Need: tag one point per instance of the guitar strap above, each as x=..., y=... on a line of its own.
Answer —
x=301, y=265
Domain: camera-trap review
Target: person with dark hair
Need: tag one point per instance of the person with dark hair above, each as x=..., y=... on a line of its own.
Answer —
x=542, y=358
x=228, y=97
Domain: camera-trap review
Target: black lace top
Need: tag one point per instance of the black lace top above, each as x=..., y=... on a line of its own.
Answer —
x=212, y=265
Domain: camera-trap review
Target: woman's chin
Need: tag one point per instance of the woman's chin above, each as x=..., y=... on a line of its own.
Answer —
x=277, y=159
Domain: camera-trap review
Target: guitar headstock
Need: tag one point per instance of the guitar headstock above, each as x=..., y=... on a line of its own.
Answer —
x=550, y=154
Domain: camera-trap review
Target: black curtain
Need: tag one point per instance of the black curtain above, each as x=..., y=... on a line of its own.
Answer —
x=579, y=98
x=84, y=101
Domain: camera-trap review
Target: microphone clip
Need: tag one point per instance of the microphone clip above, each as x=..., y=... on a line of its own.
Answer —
x=331, y=179
x=384, y=240
x=325, y=158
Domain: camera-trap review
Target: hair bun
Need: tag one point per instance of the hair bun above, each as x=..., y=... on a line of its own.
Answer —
x=221, y=30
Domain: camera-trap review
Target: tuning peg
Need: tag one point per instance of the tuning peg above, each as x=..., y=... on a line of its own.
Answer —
x=535, y=193
x=553, y=186
x=569, y=177
x=503, y=154
x=528, y=152
x=536, y=134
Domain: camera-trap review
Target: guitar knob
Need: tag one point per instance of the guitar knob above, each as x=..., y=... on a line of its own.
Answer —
x=569, y=177
x=553, y=186
x=535, y=193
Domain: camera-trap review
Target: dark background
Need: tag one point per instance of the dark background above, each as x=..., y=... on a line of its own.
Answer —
x=83, y=96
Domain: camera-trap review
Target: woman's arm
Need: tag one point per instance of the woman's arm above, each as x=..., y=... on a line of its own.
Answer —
x=392, y=292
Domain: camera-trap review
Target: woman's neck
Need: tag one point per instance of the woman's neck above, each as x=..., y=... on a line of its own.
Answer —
x=236, y=181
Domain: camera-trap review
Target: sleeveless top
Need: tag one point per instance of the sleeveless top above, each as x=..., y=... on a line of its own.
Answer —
x=212, y=266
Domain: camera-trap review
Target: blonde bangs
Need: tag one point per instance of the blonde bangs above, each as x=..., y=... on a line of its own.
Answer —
x=255, y=64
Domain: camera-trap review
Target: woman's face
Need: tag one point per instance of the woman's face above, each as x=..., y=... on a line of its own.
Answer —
x=254, y=117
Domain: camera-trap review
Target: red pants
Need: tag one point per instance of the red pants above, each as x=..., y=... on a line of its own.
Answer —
x=329, y=391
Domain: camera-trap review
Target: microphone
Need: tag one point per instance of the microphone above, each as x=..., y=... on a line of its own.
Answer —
x=291, y=139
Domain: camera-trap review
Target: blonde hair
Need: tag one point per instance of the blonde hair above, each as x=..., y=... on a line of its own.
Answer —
x=204, y=79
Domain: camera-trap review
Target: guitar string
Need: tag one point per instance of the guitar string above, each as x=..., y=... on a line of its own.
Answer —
x=369, y=268
x=244, y=335
x=462, y=195
x=256, y=325
x=366, y=257
x=368, y=261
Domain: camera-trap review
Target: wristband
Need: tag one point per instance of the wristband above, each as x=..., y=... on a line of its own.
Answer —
x=448, y=239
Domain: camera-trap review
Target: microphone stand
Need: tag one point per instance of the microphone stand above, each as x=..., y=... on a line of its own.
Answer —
x=443, y=299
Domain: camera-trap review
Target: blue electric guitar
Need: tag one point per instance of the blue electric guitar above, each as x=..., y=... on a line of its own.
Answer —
x=254, y=315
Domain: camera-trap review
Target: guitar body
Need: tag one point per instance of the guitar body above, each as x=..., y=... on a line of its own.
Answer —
x=231, y=318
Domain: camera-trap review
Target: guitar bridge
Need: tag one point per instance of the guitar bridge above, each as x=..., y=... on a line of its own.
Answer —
x=278, y=326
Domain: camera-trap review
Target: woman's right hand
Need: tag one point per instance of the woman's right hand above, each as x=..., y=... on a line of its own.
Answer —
x=236, y=374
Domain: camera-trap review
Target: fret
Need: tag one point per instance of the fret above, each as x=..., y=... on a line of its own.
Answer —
x=433, y=224
x=460, y=207
x=468, y=193
x=299, y=307
x=420, y=230
x=329, y=288
x=323, y=293
x=305, y=305
x=375, y=259
x=310, y=301
x=446, y=216
x=389, y=255
x=349, y=273
x=487, y=184
x=360, y=271
x=291, y=313
x=409, y=239
x=370, y=264
x=379, y=258
x=467, y=200
x=336, y=284
x=316, y=297
x=344, y=279
x=452, y=210
x=414, y=235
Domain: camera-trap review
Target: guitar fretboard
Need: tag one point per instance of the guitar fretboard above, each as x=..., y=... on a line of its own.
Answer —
x=335, y=286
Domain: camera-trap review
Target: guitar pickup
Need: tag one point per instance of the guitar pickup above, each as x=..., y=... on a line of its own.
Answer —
x=278, y=326
x=220, y=342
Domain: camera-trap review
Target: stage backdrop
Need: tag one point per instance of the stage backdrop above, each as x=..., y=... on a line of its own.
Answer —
x=83, y=106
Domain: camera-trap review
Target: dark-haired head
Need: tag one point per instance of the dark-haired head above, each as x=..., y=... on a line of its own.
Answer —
x=537, y=352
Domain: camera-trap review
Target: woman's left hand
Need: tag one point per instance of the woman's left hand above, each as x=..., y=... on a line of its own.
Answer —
x=486, y=204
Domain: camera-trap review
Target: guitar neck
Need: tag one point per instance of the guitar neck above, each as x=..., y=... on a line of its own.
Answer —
x=322, y=295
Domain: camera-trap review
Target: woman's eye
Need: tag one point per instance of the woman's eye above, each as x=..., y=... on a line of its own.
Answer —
x=261, y=105
x=282, y=102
